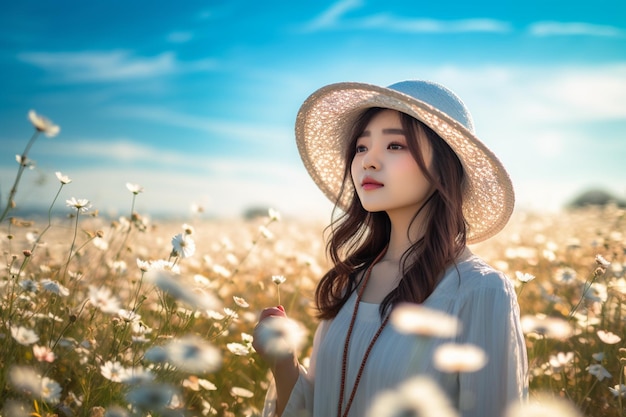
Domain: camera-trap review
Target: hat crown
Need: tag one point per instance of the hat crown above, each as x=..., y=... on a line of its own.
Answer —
x=438, y=97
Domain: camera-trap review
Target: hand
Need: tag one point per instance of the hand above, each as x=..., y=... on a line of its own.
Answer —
x=271, y=341
x=272, y=311
x=268, y=332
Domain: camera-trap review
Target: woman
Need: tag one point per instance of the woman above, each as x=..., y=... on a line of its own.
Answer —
x=414, y=186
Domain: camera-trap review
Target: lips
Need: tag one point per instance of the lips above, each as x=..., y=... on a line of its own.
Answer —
x=370, y=184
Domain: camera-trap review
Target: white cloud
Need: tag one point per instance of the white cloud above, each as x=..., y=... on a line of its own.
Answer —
x=550, y=28
x=588, y=94
x=102, y=66
x=331, y=16
x=106, y=150
x=540, y=96
x=128, y=151
x=396, y=24
x=251, y=133
x=121, y=150
x=109, y=66
x=335, y=18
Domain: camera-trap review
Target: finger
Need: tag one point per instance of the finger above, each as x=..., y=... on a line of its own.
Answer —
x=272, y=311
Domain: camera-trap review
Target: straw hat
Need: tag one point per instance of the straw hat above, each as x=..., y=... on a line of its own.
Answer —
x=326, y=117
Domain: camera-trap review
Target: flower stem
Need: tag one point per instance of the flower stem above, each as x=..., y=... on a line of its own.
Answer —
x=69, y=257
x=587, y=393
x=20, y=170
x=130, y=226
x=255, y=241
x=586, y=288
x=49, y=219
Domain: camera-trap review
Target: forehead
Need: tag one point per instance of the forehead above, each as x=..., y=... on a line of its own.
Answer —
x=385, y=117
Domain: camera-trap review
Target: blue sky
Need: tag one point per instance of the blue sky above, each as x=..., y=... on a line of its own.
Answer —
x=196, y=100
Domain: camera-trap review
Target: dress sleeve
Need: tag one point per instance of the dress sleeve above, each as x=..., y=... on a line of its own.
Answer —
x=490, y=320
x=300, y=402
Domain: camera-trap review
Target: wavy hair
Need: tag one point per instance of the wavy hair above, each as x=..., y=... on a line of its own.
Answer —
x=357, y=236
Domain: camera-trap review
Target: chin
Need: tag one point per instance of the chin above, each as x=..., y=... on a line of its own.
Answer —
x=371, y=208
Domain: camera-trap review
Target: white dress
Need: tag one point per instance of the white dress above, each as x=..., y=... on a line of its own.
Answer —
x=484, y=301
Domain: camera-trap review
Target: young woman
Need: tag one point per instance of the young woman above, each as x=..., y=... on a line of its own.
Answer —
x=413, y=186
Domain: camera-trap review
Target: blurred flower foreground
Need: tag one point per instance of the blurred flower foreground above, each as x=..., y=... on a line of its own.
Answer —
x=128, y=317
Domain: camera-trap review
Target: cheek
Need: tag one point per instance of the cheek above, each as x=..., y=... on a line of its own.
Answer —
x=408, y=167
x=410, y=174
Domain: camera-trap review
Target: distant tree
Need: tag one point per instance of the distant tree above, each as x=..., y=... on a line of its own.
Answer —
x=595, y=197
x=253, y=212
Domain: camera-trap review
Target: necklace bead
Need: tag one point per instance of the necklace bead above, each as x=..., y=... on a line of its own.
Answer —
x=346, y=346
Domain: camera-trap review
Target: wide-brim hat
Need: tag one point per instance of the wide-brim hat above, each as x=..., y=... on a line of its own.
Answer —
x=324, y=123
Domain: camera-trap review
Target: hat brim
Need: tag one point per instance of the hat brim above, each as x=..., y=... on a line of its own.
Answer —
x=322, y=128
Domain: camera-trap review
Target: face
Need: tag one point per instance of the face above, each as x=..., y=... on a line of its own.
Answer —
x=385, y=174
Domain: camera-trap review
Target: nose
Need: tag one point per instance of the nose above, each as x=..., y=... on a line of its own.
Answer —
x=370, y=160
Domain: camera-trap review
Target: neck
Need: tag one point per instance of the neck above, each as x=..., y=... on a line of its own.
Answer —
x=404, y=233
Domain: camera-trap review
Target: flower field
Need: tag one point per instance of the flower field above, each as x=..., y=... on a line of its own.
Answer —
x=134, y=317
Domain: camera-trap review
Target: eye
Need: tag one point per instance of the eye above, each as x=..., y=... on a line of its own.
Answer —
x=396, y=146
x=360, y=148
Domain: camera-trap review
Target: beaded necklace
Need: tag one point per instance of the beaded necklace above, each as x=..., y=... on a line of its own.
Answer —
x=344, y=360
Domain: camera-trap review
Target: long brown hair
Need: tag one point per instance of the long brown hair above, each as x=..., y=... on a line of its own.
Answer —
x=357, y=236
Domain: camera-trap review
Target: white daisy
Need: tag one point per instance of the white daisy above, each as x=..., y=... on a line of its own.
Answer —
x=103, y=299
x=43, y=125
x=64, y=179
x=50, y=390
x=608, y=337
x=418, y=396
x=550, y=327
x=241, y=392
x=113, y=371
x=416, y=319
x=24, y=336
x=134, y=188
x=81, y=205
x=238, y=349
x=54, y=287
x=188, y=354
x=280, y=336
x=183, y=245
x=452, y=357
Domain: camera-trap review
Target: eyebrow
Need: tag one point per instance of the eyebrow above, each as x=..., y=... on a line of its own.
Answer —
x=390, y=131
